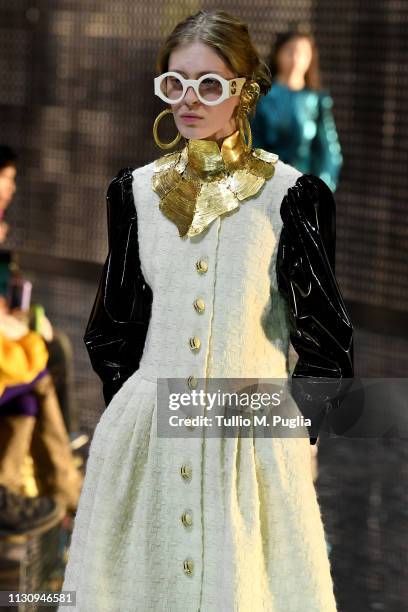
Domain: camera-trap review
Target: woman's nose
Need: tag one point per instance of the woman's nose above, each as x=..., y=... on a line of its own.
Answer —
x=190, y=95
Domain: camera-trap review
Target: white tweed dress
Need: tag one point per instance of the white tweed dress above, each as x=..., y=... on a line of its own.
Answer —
x=256, y=541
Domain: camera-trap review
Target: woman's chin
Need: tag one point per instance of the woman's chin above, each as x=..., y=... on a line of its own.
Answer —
x=192, y=131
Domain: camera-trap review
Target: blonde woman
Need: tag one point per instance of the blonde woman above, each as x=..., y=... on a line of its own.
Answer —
x=210, y=249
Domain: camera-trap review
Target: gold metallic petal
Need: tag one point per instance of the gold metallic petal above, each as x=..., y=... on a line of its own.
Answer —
x=265, y=155
x=182, y=161
x=179, y=204
x=245, y=185
x=214, y=200
x=202, y=182
x=166, y=181
x=204, y=158
x=166, y=161
x=260, y=168
x=234, y=152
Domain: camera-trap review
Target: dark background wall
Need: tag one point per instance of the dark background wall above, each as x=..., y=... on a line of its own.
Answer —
x=76, y=101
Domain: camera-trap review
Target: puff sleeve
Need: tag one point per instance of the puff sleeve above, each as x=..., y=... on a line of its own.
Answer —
x=117, y=327
x=321, y=331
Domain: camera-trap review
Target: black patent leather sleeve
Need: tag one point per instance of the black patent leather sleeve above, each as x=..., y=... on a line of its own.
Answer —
x=321, y=331
x=117, y=327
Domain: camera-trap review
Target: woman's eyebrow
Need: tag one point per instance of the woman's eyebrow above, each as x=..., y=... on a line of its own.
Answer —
x=199, y=73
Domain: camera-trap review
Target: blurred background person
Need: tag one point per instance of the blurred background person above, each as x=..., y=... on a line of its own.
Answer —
x=8, y=171
x=295, y=118
x=31, y=421
x=59, y=346
x=23, y=359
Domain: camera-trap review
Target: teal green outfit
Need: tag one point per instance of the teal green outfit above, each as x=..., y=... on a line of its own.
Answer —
x=299, y=126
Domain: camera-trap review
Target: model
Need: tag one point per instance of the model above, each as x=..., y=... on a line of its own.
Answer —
x=210, y=249
x=295, y=119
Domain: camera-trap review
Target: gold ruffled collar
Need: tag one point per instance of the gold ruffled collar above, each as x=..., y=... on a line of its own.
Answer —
x=201, y=181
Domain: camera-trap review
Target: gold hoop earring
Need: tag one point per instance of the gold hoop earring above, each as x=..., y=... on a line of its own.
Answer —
x=163, y=145
x=245, y=131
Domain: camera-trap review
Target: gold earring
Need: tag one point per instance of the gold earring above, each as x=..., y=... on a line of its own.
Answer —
x=249, y=96
x=163, y=145
x=245, y=131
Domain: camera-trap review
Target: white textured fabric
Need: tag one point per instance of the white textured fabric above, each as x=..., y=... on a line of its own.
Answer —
x=257, y=539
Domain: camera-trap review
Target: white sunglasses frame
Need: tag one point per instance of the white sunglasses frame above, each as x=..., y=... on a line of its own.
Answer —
x=230, y=87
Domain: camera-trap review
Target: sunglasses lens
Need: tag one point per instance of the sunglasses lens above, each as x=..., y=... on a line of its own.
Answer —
x=210, y=89
x=172, y=87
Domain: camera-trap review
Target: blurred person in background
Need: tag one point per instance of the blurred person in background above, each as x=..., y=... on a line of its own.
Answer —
x=23, y=359
x=8, y=171
x=61, y=360
x=295, y=118
x=30, y=413
x=31, y=421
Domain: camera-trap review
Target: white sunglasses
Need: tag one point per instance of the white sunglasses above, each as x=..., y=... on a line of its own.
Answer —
x=211, y=88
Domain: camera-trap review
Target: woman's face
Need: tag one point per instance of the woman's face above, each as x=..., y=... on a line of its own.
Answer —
x=295, y=57
x=7, y=186
x=210, y=122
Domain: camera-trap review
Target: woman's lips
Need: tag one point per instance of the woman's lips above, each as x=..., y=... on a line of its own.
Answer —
x=190, y=119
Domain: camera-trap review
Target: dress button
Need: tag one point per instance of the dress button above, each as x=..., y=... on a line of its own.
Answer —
x=202, y=266
x=195, y=343
x=188, y=566
x=187, y=519
x=186, y=472
x=192, y=382
x=199, y=305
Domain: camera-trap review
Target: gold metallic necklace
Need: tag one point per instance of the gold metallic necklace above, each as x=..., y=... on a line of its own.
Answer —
x=201, y=182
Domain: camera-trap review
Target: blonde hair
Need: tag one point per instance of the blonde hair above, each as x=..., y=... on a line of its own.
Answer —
x=227, y=36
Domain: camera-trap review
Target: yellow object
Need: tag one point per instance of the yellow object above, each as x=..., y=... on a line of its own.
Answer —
x=187, y=519
x=192, y=382
x=16, y=434
x=194, y=343
x=199, y=305
x=245, y=131
x=249, y=96
x=29, y=484
x=186, y=472
x=201, y=181
x=202, y=266
x=21, y=360
x=188, y=566
x=164, y=145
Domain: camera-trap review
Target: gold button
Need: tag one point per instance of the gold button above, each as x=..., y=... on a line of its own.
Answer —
x=186, y=472
x=187, y=519
x=192, y=382
x=202, y=266
x=188, y=566
x=199, y=305
x=195, y=343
